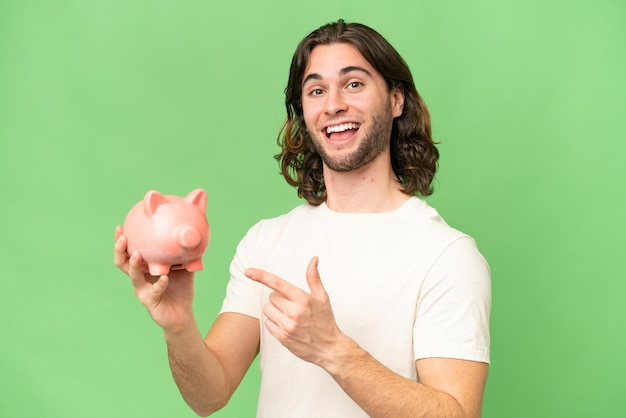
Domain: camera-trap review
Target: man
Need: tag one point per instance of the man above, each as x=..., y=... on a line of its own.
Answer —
x=362, y=302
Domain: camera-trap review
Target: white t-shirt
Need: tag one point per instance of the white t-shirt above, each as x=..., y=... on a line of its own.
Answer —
x=403, y=284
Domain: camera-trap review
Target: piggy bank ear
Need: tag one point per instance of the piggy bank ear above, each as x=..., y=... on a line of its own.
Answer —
x=197, y=198
x=152, y=201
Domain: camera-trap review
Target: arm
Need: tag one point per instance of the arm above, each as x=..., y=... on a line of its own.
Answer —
x=207, y=371
x=446, y=387
x=304, y=323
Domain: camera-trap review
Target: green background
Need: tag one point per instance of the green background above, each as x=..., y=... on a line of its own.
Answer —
x=101, y=101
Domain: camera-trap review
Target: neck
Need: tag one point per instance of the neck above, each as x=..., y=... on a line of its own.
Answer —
x=370, y=189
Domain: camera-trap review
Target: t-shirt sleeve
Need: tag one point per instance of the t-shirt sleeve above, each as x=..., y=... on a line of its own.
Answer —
x=243, y=294
x=452, y=313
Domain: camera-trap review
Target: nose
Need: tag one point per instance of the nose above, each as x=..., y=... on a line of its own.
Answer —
x=189, y=236
x=335, y=102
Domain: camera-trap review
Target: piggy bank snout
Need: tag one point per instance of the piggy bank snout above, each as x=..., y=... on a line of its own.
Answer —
x=188, y=236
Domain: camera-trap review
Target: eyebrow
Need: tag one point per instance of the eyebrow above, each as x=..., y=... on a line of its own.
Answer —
x=343, y=71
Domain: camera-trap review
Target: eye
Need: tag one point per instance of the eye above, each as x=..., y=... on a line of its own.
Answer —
x=354, y=85
x=316, y=92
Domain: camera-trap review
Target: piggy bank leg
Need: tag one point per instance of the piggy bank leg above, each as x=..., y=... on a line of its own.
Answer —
x=158, y=269
x=194, y=265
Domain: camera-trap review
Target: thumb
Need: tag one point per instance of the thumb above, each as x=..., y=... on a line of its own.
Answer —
x=151, y=296
x=314, y=280
x=159, y=287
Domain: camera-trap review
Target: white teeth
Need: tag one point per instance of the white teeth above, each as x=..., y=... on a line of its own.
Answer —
x=342, y=127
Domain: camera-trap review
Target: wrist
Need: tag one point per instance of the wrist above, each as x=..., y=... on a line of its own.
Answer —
x=344, y=353
x=182, y=332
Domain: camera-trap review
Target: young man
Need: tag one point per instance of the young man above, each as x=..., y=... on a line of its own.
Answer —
x=362, y=302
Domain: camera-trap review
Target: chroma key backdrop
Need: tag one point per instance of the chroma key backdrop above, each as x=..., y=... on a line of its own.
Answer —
x=101, y=101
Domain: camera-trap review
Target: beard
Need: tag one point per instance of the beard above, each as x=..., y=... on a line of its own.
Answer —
x=374, y=142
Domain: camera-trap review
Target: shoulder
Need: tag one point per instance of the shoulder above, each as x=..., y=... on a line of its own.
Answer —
x=281, y=221
x=426, y=222
x=271, y=229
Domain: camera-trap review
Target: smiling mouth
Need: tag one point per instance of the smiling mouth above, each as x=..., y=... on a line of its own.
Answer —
x=342, y=131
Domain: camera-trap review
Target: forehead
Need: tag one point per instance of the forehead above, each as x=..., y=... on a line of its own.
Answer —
x=331, y=60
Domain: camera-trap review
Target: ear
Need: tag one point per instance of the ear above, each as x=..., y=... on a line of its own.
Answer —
x=397, y=101
x=152, y=201
x=197, y=198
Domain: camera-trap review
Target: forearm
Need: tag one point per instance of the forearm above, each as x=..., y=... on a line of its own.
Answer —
x=198, y=373
x=383, y=393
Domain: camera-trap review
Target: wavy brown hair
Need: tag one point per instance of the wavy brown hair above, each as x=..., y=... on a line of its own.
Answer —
x=413, y=152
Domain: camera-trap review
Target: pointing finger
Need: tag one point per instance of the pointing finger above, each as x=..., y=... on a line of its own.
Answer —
x=273, y=282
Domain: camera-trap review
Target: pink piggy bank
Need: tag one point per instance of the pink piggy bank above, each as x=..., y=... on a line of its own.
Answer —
x=169, y=231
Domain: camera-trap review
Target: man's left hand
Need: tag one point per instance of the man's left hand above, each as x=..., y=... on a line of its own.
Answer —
x=303, y=322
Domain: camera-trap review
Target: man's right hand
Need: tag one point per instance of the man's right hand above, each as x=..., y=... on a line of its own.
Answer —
x=167, y=298
x=207, y=371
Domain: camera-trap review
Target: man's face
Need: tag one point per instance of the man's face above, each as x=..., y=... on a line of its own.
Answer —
x=348, y=110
